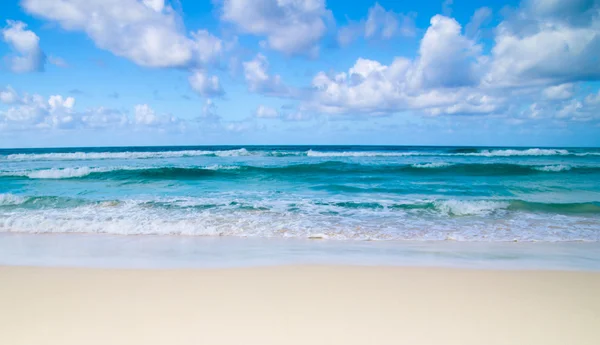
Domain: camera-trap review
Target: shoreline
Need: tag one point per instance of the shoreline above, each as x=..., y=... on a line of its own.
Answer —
x=156, y=252
x=298, y=305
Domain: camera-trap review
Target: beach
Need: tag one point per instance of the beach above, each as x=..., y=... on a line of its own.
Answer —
x=300, y=245
x=298, y=305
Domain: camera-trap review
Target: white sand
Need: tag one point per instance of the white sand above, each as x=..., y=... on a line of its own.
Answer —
x=298, y=305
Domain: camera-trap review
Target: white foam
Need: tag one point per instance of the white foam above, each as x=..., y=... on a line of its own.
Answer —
x=65, y=173
x=273, y=218
x=11, y=199
x=55, y=173
x=232, y=153
x=123, y=155
x=553, y=168
x=432, y=165
x=512, y=152
x=222, y=167
x=484, y=153
x=467, y=208
x=311, y=153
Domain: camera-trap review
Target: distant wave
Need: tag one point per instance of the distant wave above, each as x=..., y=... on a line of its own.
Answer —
x=432, y=165
x=123, y=155
x=311, y=153
x=554, y=168
x=330, y=167
x=285, y=153
x=514, y=152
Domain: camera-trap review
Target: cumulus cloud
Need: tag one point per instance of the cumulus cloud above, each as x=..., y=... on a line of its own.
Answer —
x=291, y=27
x=452, y=74
x=145, y=116
x=35, y=112
x=568, y=31
x=438, y=78
x=146, y=32
x=258, y=79
x=204, y=85
x=8, y=95
x=558, y=92
x=28, y=56
x=446, y=57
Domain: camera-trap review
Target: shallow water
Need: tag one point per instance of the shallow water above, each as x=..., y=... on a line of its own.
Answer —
x=110, y=251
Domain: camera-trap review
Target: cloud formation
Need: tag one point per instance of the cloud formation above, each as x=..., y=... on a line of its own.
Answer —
x=28, y=56
x=204, y=85
x=35, y=112
x=291, y=27
x=453, y=74
x=148, y=33
x=259, y=80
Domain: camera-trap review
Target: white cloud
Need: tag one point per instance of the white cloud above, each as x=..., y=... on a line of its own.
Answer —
x=441, y=78
x=259, y=80
x=574, y=12
x=102, y=118
x=156, y=5
x=547, y=41
x=148, y=33
x=265, y=112
x=28, y=57
x=207, y=47
x=451, y=74
x=145, y=115
x=446, y=57
x=8, y=95
x=290, y=26
x=593, y=99
x=208, y=86
x=208, y=113
x=34, y=112
x=558, y=92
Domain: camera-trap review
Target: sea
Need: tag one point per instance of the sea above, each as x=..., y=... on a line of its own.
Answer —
x=354, y=199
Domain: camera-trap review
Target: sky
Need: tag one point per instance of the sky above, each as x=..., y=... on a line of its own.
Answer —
x=191, y=72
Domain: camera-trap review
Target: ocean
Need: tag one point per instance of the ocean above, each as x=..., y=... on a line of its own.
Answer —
x=353, y=193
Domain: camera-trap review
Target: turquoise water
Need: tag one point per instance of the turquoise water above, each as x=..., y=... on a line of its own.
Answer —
x=331, y=192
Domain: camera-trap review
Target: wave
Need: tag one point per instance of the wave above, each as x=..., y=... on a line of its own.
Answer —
x=448, y=207
x=454, y=152
x=553, y=168
x=311, y=153
x=241, y=152
x=329, y=167
x=123, y=155
x=470, y=220
x=513, y=152
x=432, y=165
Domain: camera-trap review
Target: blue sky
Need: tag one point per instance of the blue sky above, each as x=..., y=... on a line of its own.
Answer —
x=154, y=72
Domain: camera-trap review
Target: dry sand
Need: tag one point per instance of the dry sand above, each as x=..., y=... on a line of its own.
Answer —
x=298, y=305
